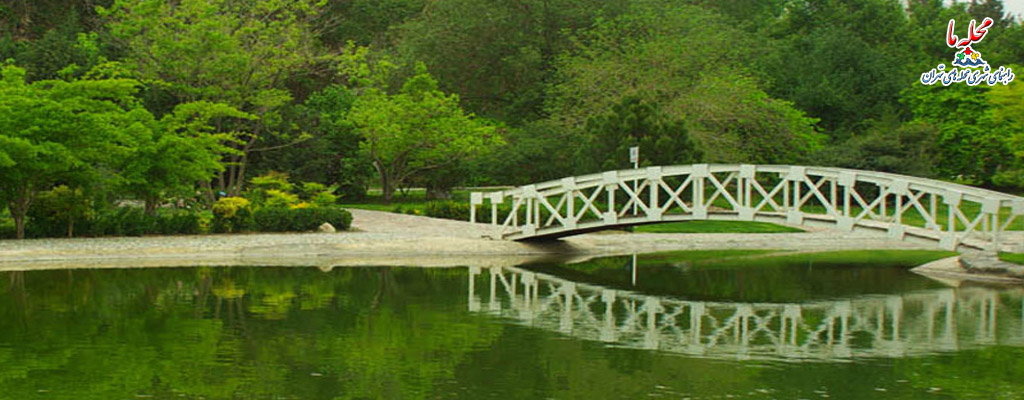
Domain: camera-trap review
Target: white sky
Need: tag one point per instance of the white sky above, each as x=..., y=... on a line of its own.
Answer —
x=1015, y=7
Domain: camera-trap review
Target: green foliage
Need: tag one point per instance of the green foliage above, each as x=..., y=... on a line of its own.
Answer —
x=417, y=130
x=57, y=210
x=635, y=122
x=260, y=185
x=272, y=180
x=58, y=131
x=975, y=129
x=279, y=199
x=232, y=215
x=318, y=194
x=498, y=55
x=715, y=227
x=270, y=219
x=457, y=210
x=177, y=151
x=649, y=54
x=888, y=146
x=131, y=221
x=1007, y=111
x=240, y=53
x=829, y=60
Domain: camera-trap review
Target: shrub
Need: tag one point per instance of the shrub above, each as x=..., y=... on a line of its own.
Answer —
x=319, y=194
x=58, y=211
x=340, y=218
x=179, y=222
x=231, y=215
x=459, y=210
x=301, y=219
x=279, y=199
x=448, y=210
x=261, y=185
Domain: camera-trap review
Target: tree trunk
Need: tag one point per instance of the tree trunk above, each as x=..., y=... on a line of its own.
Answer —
x=208, y=195
x=151, y=205
x=19, y=223
x=438, y=193
x=19, y=209
x=386, y=186
x=71, y=226
x=240, y=179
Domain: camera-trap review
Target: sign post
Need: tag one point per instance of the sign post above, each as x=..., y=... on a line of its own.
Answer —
x=634, y=157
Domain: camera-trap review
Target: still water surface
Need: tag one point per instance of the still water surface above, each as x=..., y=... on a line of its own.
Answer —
x=686, y=325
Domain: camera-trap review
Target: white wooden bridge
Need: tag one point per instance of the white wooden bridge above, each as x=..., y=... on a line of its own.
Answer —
x=917, y=323
x=955, y=217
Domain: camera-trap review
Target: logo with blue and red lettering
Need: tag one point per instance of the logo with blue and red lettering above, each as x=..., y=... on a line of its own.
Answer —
x=973, y=69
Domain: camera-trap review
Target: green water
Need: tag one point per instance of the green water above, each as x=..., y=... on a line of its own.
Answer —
x=684, y=325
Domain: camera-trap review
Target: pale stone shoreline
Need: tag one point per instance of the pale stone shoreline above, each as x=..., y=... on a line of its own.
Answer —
x=381, y=238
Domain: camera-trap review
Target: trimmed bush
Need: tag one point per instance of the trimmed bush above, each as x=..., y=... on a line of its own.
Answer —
x=447, y=209
x=127, y=221
x=301, y=219
x=232, y=215
x=459, y=210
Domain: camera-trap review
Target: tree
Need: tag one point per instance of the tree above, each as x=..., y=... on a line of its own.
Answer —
x=498, y=55
x=56, y=131
x=1007, y=109
x=417, y=130
x=651, y=53
x=178, y=151
x=240, y=53
x=829, y=60
x=635, y=122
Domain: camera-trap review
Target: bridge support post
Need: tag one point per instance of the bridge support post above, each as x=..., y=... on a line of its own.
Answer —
x=747, y=174
x=653, y=205
x=475, y=199
x=699, y=174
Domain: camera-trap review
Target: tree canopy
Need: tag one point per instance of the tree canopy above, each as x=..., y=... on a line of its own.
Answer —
x=173, y=102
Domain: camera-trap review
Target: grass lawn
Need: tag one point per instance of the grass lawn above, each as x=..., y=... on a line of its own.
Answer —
x=715, y=227
x=740, y=258
x=411, y=203
x=1016, y=258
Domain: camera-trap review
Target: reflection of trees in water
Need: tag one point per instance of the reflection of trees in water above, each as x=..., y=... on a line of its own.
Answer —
x=230, y=332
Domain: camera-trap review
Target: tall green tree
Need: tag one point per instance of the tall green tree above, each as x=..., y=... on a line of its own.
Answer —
x=178, y=151
x=415, y=131
x=240, y=53
x=498, y=55
x=635, y=122
x=56, y=131
x=693, y=65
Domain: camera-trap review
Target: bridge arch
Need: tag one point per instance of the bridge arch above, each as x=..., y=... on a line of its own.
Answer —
x=954, y=216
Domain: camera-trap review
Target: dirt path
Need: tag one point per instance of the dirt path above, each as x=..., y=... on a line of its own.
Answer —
x=382, y=238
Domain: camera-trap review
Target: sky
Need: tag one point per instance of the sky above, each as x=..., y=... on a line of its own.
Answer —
x=1015, y=7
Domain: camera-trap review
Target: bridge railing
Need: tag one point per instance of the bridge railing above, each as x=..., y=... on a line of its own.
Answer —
x=953, y=215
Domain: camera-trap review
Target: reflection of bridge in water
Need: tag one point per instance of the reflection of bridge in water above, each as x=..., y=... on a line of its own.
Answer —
x=915, y=323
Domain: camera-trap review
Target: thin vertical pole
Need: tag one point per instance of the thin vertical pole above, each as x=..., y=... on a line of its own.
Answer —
x=935, y=211
x=834, y=196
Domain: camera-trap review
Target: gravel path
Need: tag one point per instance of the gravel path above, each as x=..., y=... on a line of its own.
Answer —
x=382, y=238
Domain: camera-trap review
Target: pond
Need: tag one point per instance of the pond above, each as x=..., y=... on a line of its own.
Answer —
x=697, y=325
